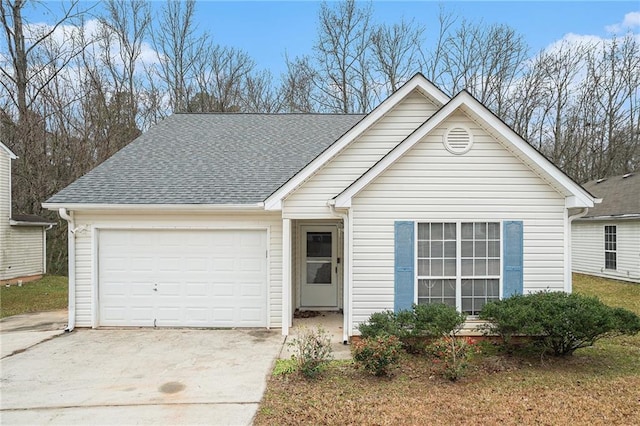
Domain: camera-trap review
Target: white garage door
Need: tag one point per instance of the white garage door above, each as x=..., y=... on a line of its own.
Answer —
x=182, y=278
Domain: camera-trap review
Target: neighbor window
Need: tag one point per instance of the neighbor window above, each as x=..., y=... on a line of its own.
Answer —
x=459, y=264
x=610, y=247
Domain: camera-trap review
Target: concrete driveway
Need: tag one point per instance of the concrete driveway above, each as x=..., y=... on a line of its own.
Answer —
x=139, y=376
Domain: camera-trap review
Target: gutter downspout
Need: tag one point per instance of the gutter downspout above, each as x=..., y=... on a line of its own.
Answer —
x=346, y=302
x=569, y=276
x=71, y=234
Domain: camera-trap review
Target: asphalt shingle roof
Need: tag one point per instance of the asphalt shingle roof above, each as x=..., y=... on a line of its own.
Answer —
x=620, y=195
x=209, y=159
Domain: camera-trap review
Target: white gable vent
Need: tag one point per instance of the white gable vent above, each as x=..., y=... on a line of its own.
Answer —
x=458, y=140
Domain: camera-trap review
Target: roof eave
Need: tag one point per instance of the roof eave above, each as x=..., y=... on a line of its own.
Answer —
x=151, y=207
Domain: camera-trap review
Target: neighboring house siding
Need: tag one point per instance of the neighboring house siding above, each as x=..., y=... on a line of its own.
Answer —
x=431, y=184
x=25, y=252
x=588, y=248
x=5, y=211
x=85, y=246
x=310, y=199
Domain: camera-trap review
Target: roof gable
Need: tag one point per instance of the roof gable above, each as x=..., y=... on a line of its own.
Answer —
x=576, y=195
x=417, y=82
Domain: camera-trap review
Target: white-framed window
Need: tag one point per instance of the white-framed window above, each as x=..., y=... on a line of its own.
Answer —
x=610, y=247
x=459, y=264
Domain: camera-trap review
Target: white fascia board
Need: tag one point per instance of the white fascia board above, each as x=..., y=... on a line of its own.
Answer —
x=418, y=81
x=8, y=151
x=579, y=197
x=147, y=207
x=629, y=216
x=34, y=224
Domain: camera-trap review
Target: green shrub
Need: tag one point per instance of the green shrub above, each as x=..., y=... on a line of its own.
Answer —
x=312, y=351
x=377, y=355
x=561, y=322
x=454, y=355
x=414, y=326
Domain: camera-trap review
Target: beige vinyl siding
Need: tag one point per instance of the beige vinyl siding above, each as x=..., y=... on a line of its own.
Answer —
x=310, y=199
x=5, y=211
x=85, y=222
x=587, y=255
x=430, y=184
x=24, y=252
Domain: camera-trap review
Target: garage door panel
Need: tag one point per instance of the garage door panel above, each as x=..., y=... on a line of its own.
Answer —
x=201, y=278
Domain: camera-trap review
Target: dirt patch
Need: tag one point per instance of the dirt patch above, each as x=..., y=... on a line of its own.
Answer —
x=306, y=314
x=171, y=387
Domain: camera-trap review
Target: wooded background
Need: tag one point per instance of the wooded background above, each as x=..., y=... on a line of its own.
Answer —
x=75, y=92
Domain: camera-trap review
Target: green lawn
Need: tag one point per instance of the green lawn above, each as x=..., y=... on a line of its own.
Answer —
x=597, y=385
x=46, y=294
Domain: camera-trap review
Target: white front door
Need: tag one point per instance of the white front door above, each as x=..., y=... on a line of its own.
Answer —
x=319, y=267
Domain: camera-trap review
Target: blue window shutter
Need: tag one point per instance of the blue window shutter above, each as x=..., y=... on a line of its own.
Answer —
x=404, y=261
x=513, y=281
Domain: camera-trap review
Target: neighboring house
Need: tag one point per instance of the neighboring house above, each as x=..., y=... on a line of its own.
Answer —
x=232, y=220
x=23, y=238
x=606, y=241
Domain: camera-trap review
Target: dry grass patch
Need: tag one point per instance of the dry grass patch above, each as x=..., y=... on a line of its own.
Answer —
x=598, y=386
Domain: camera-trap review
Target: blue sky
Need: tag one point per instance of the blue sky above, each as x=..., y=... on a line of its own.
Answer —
x=268, y=29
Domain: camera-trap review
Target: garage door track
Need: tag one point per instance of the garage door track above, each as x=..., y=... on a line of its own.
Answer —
x=140, y=376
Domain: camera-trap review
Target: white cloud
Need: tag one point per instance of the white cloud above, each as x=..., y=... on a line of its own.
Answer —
x=631, y=21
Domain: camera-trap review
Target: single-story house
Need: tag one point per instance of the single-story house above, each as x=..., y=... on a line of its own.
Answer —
x=606, y=241
x=232, y=220
x=23, y=238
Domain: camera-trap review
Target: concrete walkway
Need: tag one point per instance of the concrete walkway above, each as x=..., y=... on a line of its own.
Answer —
x=331, y=322
x=20, y=332
x=132, y=376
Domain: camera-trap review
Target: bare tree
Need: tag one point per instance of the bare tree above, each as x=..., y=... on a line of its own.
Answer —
x=396, y=52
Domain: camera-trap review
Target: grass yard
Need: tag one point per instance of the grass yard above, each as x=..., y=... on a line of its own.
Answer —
x=46, y=294
x=597, y=385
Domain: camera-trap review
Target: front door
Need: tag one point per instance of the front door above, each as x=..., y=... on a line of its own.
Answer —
x=319, y=269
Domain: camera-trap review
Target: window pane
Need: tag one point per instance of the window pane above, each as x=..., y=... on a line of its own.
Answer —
x=493, y=289
x=467, y=267
x=319, y=273
x=479, y=287
x=436, y=231
x=467, y=231
x=436, y=249
x=494, y=249
x=480, y=249
x=423, y=248
x=494, y=231
x=423, y=267
x=450, y=302
x=423, y=288
x=450, y=249
x=466, y=290
x=493, y=267
x=450, y=267
x=423, y=231
x=449, y=231
x=467, y=305
x=466, y=247
x=450, y=288
x=318, y=244
x=480, y=231
x=436, y=290
x=437, y=269
x=480, y=267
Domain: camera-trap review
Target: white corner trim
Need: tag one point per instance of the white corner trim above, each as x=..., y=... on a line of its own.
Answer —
x=418, y=81
x=10, y=153
x=579, y=196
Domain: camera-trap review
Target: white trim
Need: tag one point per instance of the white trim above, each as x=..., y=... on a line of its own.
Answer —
x=10, y=153
x=630, y=216
x=27, y=224
x=568, y=247
x=146, y=207
x=581, y=197
x=418, y=81
x=95, y=249
x=286, y=276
